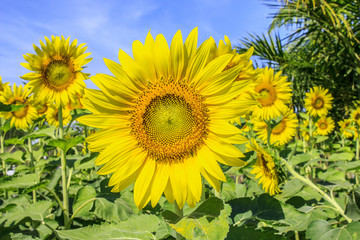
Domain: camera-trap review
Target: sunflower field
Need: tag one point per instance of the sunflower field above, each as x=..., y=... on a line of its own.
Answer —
x=187, y=139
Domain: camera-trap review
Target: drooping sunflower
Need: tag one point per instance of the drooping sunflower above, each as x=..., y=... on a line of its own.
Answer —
x=265, y=169
x=164, y=119
x=324, y=126
x=274, y=93
x=282, y=133
x=345, y=128
x=318, y=101
x=355, y=115
x=24, y=116
x=56, y=70
x=52, y=115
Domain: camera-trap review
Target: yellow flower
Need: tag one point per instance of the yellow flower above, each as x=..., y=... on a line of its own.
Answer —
x=53, y=118
x=318, y=101
x=165, y=119
x=2, y=86
x=24, y=116
x=345, y=128
x=273, y=94
x=76, y=104
x=324, y=126
x=265, y=169
x=56, y=70
x=282, y=133
x=355, y=115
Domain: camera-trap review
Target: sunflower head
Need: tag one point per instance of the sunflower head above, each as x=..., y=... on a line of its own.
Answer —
x=281, y=133
x=164, y=119
x=355, y=116
x=52, y=115
x=24, y=116
x=265, y=169
x=2, y=86
x=345, y=128
x=273, y=93
x=56, y=70
x=324, y=126
x=318, y=101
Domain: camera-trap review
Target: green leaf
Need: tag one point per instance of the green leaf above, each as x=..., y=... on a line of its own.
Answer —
x=322, y=230
x=320, y=139
x=10, y=107
x=24, y=181
x=138, y=227
x=12, y=157
x=300, y=158
x=83, y=195
x=170, y=216
x=87, y=162
x=210, y=207
x=246, y=233
x=202, y=228
x=112, y=211
x=36, y=212
x=340, y=157
x=66, y=144
x=46, y=132
x=14, y=141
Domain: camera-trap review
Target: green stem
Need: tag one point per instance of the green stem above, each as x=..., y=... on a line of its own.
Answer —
x=86, y=135
x=32, y=165
x=56, y=197
x=310, y=133
x=342, y=140
x=297, y=235
x=268, y=128
x=311, y=184
x=180, y=213
x=81, y=206
x=357, y=145
x=64, y=173
x=2, y=136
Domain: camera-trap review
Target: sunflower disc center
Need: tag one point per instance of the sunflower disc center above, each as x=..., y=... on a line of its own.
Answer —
x=169, y=121
x=323, y=125
x=59, y=74
x=267, y=95
x=318, y=103
x=279, y=128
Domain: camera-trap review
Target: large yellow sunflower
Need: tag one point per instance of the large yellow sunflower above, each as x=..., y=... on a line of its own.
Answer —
x=165, y=119
x=24, y=116
x=355, y=115
x=282, y=133
x=273, y=93
x=324, y=126
x=265, y=169
x=345, y=128
x=318, y=101
x=53, y=118
x=56, y=70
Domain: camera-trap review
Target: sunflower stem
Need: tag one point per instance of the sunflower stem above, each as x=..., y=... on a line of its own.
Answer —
x=86, y=135
x=357, y=144
x=2, y=136
x=180, y=213
x=310, y=133
x=268, y=128
x=63, y=173
x=331, y=200
x=32, y=165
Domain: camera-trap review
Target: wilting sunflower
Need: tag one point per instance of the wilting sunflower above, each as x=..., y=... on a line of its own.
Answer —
x=165, y=119
x=24, y=116
x=355, y=115
x=52, y=115
x=318, y=101
x=265, y=169
x=282, y=133
x=56, y=70
x=345, y=128
x=324, y=126
x=273, y=93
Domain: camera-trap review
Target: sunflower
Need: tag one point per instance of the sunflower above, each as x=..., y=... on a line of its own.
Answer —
x=56, y=70
x=282, y=133
x=24, y=116
x=273, y=92
x=53, y=118
x=345, y=128
x=265, y=169
x=355, y=115
x=164, y=119
x=2, y=86
x=324, y=126
x=318, y=101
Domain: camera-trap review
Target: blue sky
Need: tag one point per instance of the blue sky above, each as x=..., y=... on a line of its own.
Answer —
x=107, y=26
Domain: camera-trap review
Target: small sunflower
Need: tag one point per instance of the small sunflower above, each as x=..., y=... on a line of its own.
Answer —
x=355, y=116
x=2, y=86
x=53, y=118
x=282, y=133
x=345, y=128
x=318, y=101
x=56, y=70
x=324, y=126
x=265, y=169
x=305, y=134
x=273, y=93
x=164, y=119
x=24, y=116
